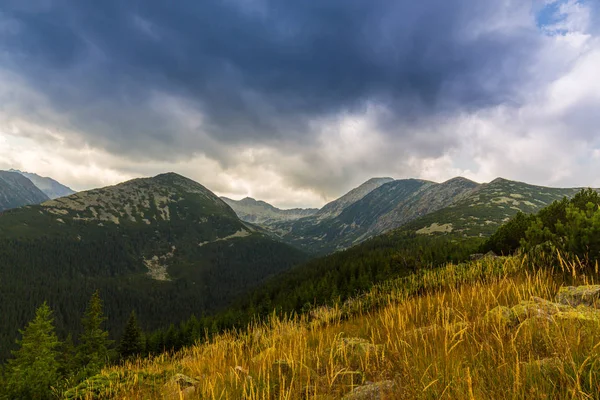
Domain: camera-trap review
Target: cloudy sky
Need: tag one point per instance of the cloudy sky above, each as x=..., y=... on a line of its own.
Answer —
x=296, y=102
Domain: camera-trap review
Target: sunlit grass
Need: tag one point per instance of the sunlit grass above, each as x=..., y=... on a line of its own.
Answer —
x=426, y=336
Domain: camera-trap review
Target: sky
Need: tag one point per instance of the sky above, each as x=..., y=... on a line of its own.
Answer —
x=296, y=103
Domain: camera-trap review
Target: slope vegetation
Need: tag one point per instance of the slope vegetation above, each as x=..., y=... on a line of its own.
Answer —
x=165, y=247
x=491, y=205
x=492, y=329
x=387, y=207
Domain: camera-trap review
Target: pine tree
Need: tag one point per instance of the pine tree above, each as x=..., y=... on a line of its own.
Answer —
x=34, y=368
x=94, y=345
x=132, y=343
x=67, y=357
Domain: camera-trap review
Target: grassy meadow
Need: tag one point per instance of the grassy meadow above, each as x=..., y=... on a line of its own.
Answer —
x=487, y=329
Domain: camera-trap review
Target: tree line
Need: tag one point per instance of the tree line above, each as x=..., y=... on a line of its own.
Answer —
x=569, y=226
x=43, y=365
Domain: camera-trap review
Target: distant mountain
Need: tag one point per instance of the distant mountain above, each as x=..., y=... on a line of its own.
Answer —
x=17, y=191
x=387, y=207
x=335, y=208
x=485, y=209
x=260, y=212
x=49, y=186
x=166, y=247
x=458, y=206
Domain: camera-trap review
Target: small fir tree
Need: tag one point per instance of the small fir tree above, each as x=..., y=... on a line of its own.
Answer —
x=94, y=345
x=132, y=343
x=35, y=366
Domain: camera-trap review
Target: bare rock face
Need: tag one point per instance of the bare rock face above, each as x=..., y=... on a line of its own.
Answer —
x=373, y=391
x=574, y=296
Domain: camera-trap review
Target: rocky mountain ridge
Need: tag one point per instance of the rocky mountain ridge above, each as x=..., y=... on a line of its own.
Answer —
x=260, y=212
x=457, y=206
x=52, y=188
x=17, y=191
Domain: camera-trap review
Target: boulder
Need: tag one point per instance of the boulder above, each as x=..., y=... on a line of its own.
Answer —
x=588, y=295
x=180, y=386
x=537, y=307
x=183, y=380
x=358, y=346
x=372, y=391
x=500, y=315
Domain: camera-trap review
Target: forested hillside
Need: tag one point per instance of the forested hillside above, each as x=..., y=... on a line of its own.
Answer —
x=483, y=211
x=165, y=247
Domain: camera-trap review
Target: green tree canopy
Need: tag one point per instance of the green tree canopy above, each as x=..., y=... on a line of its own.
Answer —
x=34, y=368
x=94, y=345
x=132, y=341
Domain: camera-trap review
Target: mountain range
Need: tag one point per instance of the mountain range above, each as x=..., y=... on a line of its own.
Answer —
x=457, y=206
x=167, y=247
x=260, y=212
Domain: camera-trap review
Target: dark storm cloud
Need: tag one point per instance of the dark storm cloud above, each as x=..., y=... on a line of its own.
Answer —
x=258, y=70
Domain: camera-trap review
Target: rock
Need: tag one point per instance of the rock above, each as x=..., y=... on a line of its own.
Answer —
x=537, y=307
x=490, y=254
x=373, y=391
x=425, y=330
x=180, y=386
x=188, y=392
x=358, y=346
x=501, y=315
x=582, y=316
x=183, y=380
x=479, y=256
x=588, y=295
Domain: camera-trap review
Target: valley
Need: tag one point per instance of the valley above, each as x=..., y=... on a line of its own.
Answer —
x=195, y=267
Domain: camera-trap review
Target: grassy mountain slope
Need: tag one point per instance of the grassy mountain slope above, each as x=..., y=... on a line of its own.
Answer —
x=492, y=329
x=164, y=246
x=260, y=212
x=488, y=207
x=17, y=191
x=335, y=208
x=387, y=207
x=49, y=186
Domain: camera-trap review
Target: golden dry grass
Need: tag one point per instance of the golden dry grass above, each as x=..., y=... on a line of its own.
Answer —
x=426, y=337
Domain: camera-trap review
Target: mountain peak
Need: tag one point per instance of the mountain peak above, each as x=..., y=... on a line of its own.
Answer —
x=17, y=191
x=460, y=179
x=335, y=208
x=49, y=186
x=140, y=200
x=377, y=180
